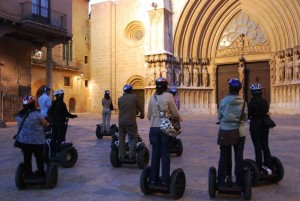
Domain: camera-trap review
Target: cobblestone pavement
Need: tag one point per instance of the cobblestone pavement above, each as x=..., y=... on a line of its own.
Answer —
x=94, y=178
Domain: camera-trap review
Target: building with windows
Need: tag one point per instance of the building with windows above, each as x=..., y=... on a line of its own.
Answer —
x=43, y=43
x=198, y=46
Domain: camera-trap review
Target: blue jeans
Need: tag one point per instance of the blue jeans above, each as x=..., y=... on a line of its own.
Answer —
x=225, y=162
x=160, y=151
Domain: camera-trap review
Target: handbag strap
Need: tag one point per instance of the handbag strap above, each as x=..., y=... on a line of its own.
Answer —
x=242, y=113
x=157, y=103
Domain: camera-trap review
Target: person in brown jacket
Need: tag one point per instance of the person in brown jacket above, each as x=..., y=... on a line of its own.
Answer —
x=160, y=140
x=129, y=107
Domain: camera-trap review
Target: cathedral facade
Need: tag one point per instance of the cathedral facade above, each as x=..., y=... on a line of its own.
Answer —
x=198, y=46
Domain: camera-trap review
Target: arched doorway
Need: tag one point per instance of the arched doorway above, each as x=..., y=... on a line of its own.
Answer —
x=138, y=85
x=72, y=104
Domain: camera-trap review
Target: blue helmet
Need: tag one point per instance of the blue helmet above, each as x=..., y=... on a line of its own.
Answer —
x=127, y=88
x=235, y=84
x=106, y=92
x=173, y=90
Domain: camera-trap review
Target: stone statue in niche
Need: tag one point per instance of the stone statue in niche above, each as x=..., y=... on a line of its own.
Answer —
x=196, y=76
x=205, y=76
x=273, y=71
x=289, y=64
x=169, y=74
x=186, y=74
x=152, y=75
x=177, y=77
x=213, y=76
x=241, y=70
x=281, y=67
x=163, y=72
x=297, y=63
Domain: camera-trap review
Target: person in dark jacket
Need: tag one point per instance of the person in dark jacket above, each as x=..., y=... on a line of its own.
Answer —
x=258, y=109
x=58, y=114
x=31, y=136
x=129, y=106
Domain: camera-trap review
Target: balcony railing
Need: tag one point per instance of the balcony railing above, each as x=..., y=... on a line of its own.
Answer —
x=43, y=15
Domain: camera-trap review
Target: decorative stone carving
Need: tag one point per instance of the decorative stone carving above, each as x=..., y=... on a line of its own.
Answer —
x=289, y=64
x=177, y=77
x=241, y=70
x=272, y=70
x=242, y=34
x=186, y=75
x=297, y=63
x=205, y=76
x=281, y=66
x=169, y=74
x=196, y=76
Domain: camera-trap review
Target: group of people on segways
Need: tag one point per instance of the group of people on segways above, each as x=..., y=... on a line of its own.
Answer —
x=233, y=113
x=33, y=124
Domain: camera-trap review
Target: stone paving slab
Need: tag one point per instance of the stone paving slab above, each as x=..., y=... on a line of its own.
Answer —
x=93, y=177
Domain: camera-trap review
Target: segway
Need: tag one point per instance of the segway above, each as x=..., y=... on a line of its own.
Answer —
x=213, y=187
x=142, y=153
x=65, y=154
x=176, y=187
x=49, y=181
x=176, y=146
x=99, y=133
x=273, y=175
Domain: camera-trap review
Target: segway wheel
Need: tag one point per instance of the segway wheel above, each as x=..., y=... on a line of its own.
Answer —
x=178, y=144
x=98, y=132
x=68, y=157
x=177, y=186
x=254, y=171
x=144, y=180
x=247, y=184
x=278, y=169
x=212, y=182
x=114, y=158
x=51, y=175
x=19, y=177
x=142, y=157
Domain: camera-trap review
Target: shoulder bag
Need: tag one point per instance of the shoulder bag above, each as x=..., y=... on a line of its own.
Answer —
x=230, y=137
x=268, y=122
x=168, y=124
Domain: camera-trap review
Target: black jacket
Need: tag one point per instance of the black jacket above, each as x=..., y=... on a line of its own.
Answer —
x=58, y=112
x=258, y=107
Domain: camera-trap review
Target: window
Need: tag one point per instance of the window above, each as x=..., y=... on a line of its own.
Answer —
x=40, y=8
x=66, y=81
x=86, y=59
x=86, y=83
x=67, y=52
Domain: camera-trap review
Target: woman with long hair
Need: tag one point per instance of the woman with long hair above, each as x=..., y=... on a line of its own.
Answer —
x=159, y=139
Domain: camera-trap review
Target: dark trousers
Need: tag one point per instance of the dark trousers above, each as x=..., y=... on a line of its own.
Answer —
x=132, y=131
x=160, y=151
x=58, y=135
x=37, y=150
x=225, y=162
x=260, y=138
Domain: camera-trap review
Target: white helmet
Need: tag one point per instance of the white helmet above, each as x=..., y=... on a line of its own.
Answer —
x=256, y=88
x=59, y=92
